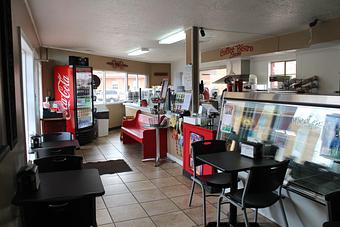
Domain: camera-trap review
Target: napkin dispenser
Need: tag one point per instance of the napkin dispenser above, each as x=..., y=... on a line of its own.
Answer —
x=28, y=179
x=251, y=149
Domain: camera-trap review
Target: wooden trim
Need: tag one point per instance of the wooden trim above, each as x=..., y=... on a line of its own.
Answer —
x=327, y=31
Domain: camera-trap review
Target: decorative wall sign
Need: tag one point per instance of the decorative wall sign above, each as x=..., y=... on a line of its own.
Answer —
x=163, y=74
x=236, y=50
x=117, y=64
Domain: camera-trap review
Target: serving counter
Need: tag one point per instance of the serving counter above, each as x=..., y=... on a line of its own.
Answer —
x=304, y=129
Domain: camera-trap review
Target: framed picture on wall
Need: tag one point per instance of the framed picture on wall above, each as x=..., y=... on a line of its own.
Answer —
x=8, y=110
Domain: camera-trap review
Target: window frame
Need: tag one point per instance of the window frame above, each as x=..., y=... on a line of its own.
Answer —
x=125, y=85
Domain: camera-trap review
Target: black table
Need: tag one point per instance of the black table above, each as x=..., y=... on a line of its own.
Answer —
x=60, y=144
x=63, y=197
x=66, y=147
x=233, y=162
x=331, y=224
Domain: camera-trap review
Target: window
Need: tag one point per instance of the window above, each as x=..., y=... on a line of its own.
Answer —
x=282, y=71
x=283, y=68
x=132, y=82
x=99, y=92
x=115, y=85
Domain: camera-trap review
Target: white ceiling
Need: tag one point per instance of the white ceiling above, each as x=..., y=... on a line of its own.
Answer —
x=115, y=27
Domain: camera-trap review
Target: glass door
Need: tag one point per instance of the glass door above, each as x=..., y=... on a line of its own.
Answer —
x=29, y=93
x=84, y=97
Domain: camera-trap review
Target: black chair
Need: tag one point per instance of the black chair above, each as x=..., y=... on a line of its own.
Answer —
x=333, y=205
x=218, y=181
x=47, y=152
x=262, y=189
x=57, y=136
x=59, y=163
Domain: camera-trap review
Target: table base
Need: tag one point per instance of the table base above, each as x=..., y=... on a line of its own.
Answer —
x=226, y=224
x=157, y=162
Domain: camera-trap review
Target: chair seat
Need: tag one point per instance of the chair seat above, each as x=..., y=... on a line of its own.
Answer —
x=255, y=200
x=220, y=180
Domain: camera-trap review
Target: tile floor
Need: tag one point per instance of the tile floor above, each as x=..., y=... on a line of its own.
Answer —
x=147, y=196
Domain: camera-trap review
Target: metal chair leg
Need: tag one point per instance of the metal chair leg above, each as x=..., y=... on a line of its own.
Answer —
x=192, y=192
x=255, y=216
x=283, y=213
x=220, y=198
x=204, y=207
x=245, y=217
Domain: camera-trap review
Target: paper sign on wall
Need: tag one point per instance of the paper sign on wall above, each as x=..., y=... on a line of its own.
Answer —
x=227, y=118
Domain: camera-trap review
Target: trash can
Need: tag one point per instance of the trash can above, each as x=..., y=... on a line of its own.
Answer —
x=102, y=116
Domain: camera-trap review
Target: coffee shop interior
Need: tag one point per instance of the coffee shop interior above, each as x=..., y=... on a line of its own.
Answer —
x=170, y=113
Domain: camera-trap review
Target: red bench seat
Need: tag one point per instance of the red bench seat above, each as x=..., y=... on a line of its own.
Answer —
x=136, y=130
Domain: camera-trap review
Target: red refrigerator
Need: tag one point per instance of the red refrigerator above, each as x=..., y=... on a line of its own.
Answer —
x=73, y=87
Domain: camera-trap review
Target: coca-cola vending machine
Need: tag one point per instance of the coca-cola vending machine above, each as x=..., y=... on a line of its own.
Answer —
x=73, y=87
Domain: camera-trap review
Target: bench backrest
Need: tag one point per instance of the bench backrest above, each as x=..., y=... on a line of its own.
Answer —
x=142, y=120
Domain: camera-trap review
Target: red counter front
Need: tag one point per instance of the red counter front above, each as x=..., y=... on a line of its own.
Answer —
x=192, y=133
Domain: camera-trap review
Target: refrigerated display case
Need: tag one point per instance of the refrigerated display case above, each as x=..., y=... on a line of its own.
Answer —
x=73, y=87
x=303, y=128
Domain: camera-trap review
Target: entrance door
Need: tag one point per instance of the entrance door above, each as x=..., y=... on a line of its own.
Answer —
x=30, y=92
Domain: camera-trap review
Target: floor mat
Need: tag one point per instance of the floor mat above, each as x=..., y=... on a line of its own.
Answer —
x=108, y=167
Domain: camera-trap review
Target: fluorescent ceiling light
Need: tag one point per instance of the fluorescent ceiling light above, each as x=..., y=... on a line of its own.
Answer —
x=139, y=51
x=173, y=38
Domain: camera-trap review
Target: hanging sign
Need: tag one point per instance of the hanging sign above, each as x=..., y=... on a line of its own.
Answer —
x=117, y=64
x=236, y=50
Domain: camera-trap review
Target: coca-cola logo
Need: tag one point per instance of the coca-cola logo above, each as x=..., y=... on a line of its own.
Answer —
x=64, y=90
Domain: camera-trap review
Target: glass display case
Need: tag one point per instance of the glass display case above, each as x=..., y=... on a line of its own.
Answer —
x=303, y=128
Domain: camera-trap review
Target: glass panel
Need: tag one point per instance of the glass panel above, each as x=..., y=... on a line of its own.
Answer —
x=142, y=81
x=132, y=82
x=278, y=68
x=291, y=68
x=99, y=92
x=115, y=86
x=84, y=97
x=308, y=135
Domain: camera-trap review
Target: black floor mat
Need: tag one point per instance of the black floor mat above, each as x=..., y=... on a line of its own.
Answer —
x=108, y=167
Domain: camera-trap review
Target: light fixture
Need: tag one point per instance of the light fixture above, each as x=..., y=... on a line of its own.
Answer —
x=139, y=51
x=173, y=38
x=202, y=32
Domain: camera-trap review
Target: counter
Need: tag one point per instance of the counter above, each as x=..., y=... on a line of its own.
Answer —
x=49, y=125
x=305, y=129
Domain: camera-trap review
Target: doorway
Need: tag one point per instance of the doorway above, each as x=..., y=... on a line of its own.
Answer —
x=30, y=91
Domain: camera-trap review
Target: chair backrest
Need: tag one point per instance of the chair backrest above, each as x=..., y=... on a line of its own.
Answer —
x=333, y=204
x=57, y=136
x=59, y=163
x=266, y=179
x=47, y=152
x=206, y=147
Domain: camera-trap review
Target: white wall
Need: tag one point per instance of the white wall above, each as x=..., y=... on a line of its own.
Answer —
x=177, y=68
x=322, y=62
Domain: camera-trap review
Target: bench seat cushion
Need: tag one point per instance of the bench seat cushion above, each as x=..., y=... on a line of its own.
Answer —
x=136, y=133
